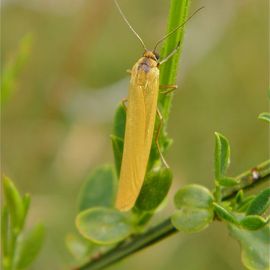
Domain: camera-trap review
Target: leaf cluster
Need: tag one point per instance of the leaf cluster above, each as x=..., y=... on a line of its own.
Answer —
x=19, y=246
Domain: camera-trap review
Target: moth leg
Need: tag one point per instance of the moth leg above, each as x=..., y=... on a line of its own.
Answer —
x=169, y=88
x=157, y=137
x=170, y=55
x=123, y=102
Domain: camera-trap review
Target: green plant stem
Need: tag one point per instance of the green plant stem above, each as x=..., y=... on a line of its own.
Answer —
x=137, y=243
x=249, y=179
x=165, y=229
x=168, y=71
x=13, y=245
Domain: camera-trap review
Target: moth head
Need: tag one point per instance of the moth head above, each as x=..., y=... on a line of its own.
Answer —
x=151, y=54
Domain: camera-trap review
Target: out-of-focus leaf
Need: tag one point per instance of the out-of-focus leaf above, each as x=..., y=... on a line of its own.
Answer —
x=239, y=197
x=28, y=247
x=154, y=190
x=103, y=225
x=14, y=203
x=26, y=202
x=141, y=218
x=26, y=199
x=224, y=214
x=228, y=181
x=253, y=222
x=14, y=67
x=99, y=189
x=246, y=201
x=118, y=146
x=255, y=246
x=119, y=122
x=222, y=156
x=261, y=202
x=79, y=247
x=194, y=209
x=4, y=230
x=265, y=116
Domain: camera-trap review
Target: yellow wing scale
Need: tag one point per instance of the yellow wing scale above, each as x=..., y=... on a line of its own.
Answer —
x=140, y=122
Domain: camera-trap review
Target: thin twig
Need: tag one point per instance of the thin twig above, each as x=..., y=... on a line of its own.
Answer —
x=248, y=179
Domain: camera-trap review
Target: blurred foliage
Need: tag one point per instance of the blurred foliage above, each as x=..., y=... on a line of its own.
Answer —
x=19, y=247
x=14, y=67
x=51, y=143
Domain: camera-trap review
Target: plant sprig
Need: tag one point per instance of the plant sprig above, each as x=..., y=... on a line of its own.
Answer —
x=19, y=247
x=196, y=206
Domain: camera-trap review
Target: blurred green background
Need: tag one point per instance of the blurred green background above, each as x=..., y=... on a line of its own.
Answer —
x=56, y=125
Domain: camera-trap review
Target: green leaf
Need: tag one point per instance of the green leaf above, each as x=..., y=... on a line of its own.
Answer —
x=168, y=71
x=103, y=225
x=222, y=156
x=194, y=208
x=118, y=136
x=79, y=247
x=255, y=246
x=140, y=219
x=228, y=181
x=194, y=196
x=4, y=230
x=14, y=203
x=243, y=206
x=118, y=146
x=260, y=204
x=99, y=189
x=14, y=67
x=239, y=197
x=224, y=214
x=265, y=116
x=154, y=190
x=28, y=247
x=26, y=204
x=253, y=222
x=119, y=122
x=191, y=220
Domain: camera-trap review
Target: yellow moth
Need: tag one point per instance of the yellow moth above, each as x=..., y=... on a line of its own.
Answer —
x=140, y=122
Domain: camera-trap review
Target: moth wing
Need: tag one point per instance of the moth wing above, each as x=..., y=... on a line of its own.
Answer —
x=140, y=121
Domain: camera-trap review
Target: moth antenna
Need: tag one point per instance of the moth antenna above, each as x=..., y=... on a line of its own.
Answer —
x=175, y=29
x=129, y=25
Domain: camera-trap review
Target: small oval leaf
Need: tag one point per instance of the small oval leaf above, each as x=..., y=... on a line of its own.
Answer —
x=224, y=214
x=222, y=155
x=253, y=222
x=28, y=246
x=191, y=220
x=14, y=203
x=195, y=211
x=239, y=197
x=193, y=196
x=99, y=189
x=103, y=225
x=265, y=116
x=118, y=146
x=79, y=247
x=228, y=181
x=154, y=190
x=246, y=201
x=254, y=246
x=119, y=122
x=260, y=203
